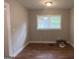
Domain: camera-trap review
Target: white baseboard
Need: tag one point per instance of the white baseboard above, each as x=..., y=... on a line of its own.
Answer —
x=42, y=41
x=15, y=54
x=72, y=44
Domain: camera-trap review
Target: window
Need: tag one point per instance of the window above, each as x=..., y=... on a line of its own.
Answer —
x=49, y=22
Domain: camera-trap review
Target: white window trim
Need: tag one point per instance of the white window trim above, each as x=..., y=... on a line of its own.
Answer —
x=49, y=28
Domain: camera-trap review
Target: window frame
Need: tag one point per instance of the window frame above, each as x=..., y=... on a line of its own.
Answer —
x=49, y=28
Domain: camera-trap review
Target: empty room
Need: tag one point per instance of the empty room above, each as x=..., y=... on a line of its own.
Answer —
x=39, y=29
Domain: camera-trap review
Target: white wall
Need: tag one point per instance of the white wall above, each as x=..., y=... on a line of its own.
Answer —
x=72, y=27
x=49, y=35
x=19, y=25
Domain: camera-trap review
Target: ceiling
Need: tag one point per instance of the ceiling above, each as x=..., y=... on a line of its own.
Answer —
x=39, y=4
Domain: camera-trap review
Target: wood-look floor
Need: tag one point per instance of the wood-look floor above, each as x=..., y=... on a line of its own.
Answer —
x=46, y=51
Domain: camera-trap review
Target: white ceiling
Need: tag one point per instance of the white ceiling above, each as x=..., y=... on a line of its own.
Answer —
x=39, y=4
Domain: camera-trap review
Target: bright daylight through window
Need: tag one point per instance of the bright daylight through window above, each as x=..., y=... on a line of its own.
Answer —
x=49, y=22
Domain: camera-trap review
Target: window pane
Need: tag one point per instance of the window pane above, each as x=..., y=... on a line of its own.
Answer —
x=42, y=22
x=49, y=22
x=55, y=22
